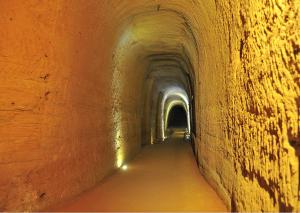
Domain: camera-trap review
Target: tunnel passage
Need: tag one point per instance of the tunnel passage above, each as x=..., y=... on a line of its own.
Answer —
x=88, y=78
x=176, y=99
x=177, y=117
x=166, y=81
x=167, y=84
x=163, y=58
x=178, y=122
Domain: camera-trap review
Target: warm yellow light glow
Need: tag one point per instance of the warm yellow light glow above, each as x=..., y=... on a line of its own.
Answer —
x=118, y=148
x=124, y=167
x=118, y=139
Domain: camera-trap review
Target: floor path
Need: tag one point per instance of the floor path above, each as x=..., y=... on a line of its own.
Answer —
x=162, y=177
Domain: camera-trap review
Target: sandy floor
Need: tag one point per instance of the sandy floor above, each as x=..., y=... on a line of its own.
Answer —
x=163, y=177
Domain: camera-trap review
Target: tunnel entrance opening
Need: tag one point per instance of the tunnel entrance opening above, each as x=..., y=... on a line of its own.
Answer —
x=177, y=118
x=167, y=84
x=177, y=122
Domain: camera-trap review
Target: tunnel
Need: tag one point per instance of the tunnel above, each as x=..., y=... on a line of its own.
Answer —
x=149, y=105
x=177, y=117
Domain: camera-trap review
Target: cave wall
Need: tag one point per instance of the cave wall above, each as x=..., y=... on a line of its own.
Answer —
x=69, y=92
x=55, y=106
x=248, y=108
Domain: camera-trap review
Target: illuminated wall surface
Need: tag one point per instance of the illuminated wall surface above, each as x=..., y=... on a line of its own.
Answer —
x=72, y=94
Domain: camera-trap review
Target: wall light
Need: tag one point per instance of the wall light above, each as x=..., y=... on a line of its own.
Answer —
x=124, y=167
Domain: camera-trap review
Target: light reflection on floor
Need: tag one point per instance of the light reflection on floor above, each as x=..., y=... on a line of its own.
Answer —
x=163, y=177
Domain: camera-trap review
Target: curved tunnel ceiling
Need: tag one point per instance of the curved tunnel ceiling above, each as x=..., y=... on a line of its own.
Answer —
x=159, y=48
x=173, y=95
x=156, y=39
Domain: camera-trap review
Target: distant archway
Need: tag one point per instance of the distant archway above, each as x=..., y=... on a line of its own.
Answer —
x=177, y=117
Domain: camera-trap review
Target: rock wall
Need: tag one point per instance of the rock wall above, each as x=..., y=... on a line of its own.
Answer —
x=249, y=118
x=55, y=105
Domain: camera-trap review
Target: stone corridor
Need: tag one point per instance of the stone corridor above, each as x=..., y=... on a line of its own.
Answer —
x=88, y=86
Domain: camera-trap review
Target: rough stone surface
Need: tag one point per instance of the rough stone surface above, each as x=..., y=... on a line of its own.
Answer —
x=249, y=119
x=54, y=78
x=72, y=87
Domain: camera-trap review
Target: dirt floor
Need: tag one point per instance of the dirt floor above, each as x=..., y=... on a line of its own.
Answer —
x=163, y=177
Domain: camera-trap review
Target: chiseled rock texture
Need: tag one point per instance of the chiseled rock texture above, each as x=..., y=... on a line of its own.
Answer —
x=71, y=94
x=54, y=101
x=249, y=106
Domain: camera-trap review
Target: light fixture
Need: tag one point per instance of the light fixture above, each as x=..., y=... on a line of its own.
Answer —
x=124, y=167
